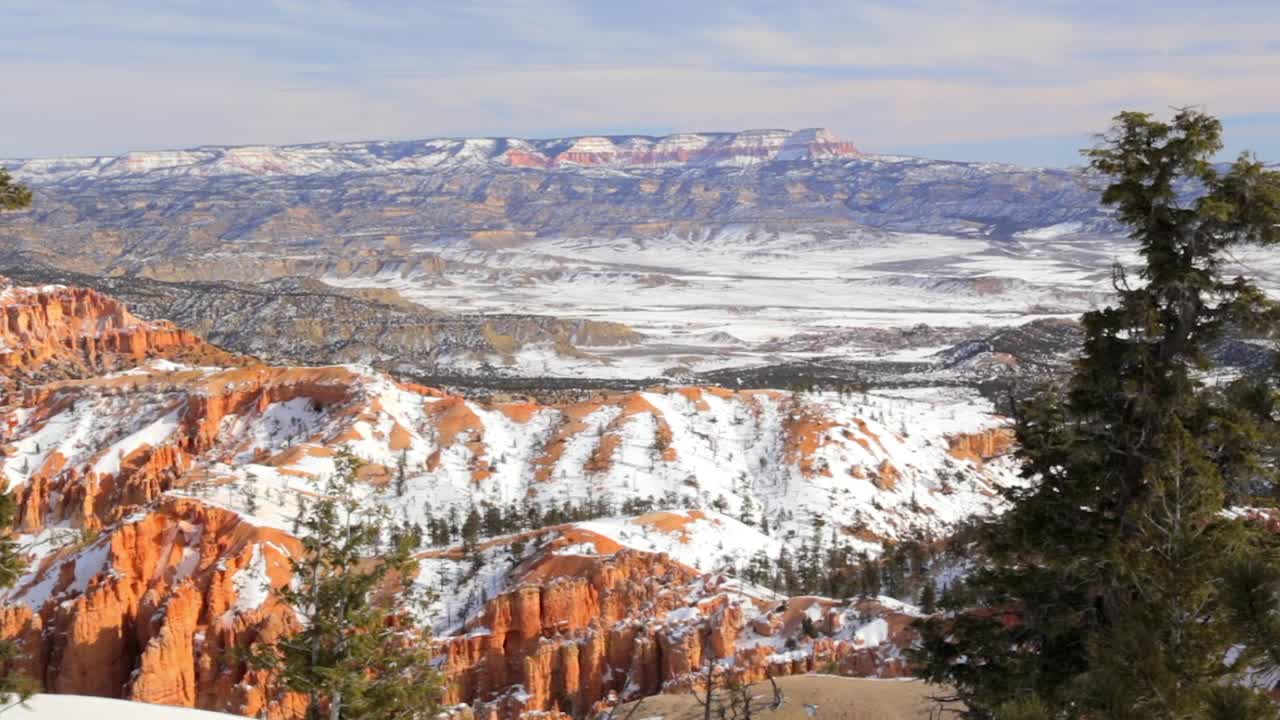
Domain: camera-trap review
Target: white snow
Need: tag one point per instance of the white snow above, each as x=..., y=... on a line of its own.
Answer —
x=670, y=450
x=79, y=707
x=152, y=434
x=712, y=544
x=761, y=288
x=252, y=583
x=872, y=634
x=1052, y=231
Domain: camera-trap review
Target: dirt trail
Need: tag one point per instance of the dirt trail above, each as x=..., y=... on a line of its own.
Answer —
x=835, y=698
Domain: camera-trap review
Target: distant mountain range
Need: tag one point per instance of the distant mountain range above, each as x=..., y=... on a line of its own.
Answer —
x=738, y=149
x=607, y=257
x=390, y=195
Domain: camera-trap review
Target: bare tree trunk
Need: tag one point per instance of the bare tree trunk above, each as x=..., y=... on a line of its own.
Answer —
x=335, y=706
x=706, y=706
x=778, y=697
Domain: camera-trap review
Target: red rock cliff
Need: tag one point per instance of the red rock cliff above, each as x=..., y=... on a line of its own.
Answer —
x=91, y=498
x=54, y=331
x=981, y=446
x=151, y=611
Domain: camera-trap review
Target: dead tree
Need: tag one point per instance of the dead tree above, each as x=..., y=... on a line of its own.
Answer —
x=613, y=711
x=707, y=699
x=733, y=699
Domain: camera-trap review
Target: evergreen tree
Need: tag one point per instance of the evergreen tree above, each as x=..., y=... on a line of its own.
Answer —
x=786, y=575
x=928, y=598
x=869, y=579
x=13, y=686
x=402, y=475
x=359, y=653
x=1106, y=596
x=747, y=513
x=12, y=195
x=300, y=508
x=452, y=522
x=471, y=529
x=758, y=568
x=249, y=491
x=492, y=522
x=532, y=514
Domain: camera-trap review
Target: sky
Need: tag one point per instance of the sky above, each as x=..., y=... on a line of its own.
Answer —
x=1027, y=82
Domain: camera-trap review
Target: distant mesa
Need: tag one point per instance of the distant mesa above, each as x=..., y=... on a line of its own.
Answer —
x=743, y=148
x=736, y=149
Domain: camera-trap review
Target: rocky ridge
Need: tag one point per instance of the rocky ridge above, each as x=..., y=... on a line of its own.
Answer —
x=53, y=331
x=628, y=151
x=88, y=451
x=300, y=321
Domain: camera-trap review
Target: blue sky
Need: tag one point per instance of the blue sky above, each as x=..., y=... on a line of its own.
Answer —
x=1025, y=82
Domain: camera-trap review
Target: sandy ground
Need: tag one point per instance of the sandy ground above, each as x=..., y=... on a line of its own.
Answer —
x=827, y=697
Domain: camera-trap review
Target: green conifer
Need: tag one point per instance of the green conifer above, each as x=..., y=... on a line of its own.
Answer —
x=14, y=686
x=359, y=653
x=1106, y=594
x=12, y=195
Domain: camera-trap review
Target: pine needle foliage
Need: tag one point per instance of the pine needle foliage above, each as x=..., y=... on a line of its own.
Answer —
x=359, y=654
x=15, y=687
x=1118, y=585
x=12, y=195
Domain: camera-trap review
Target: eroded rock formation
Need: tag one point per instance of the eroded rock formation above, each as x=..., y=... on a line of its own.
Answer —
x=981, y=446
x=153, y=610
x=55, y=332
x=582, y=632
x=154, y=496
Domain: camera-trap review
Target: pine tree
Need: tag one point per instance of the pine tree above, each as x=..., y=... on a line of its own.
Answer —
x=492, y=522
x=747, y=512
x=401, y=474
x=786, y=573
x=12, y=195
x=359, y=653
x=471, y=529
x=299, y=513
x=1106, y=593
x=13, y=686
x=928, y=598
x=249, y=491
x=758, y=568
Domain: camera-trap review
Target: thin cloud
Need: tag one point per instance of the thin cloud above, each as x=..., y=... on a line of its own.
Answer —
x=98, y=77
